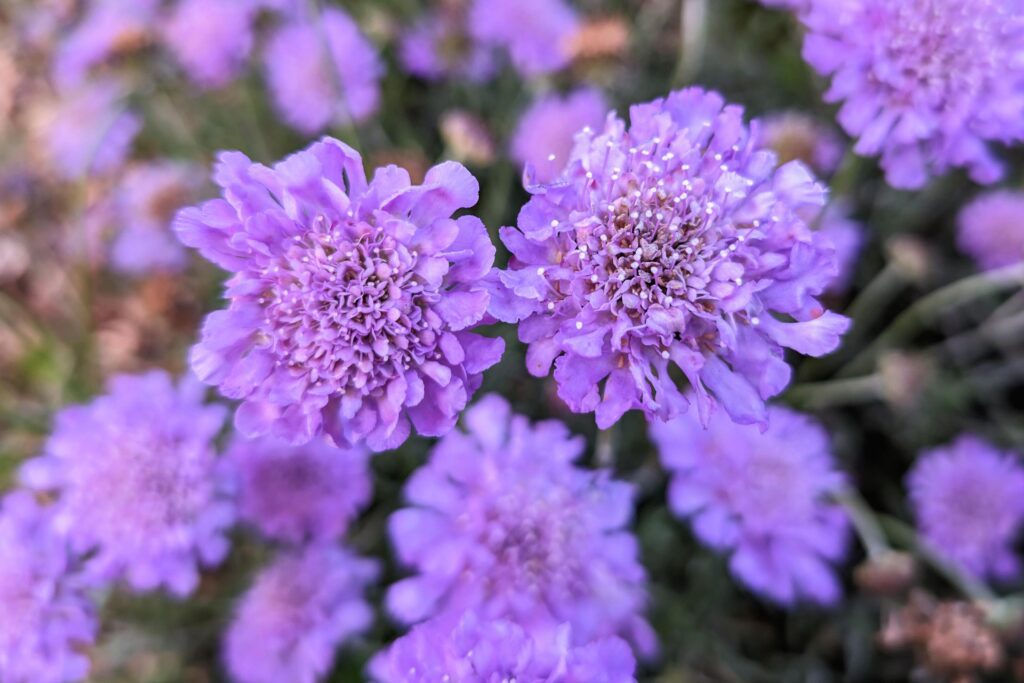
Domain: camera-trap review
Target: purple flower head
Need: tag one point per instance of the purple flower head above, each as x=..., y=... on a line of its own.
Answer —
x=469, y=650
x=926, y=84
x=144, y=203
x=503, y=523
x=544, y=137
x=991, y=229
x=795, y=136
x=297, y=613
x=351, y=302
x=761, y=497
x=211, y=39
x=437, y=47
x=674, y=242
x=535, y=33
x=47, y=618
x=109, y=28
x=322, y=71
x=134, y=475
x=91, y=131
x=969, y=501
x=846, y=236
x=299, y=493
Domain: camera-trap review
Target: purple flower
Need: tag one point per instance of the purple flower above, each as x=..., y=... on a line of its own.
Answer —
x=436, y=47
x=133, y=472
x=762, y=497
x=793, y=135
x=535, y=33
x=991, y=229
x=503, y=523
x=299, y=493
x=846, y=236
x=298, y=611
x=47, y=619
x=211, y=39
x=351, y=303
x=927, y=84
x=143, y=205
x=90, y=131
x=969, y=501
x=544, y=137
x=469, y=650
x=109, y=28
x=675, y=242
x=322, y=71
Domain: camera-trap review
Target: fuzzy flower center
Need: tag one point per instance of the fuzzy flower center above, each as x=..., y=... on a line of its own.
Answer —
x=345, y=310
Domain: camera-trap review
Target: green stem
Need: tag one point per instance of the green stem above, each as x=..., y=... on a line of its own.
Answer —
x=838, y=392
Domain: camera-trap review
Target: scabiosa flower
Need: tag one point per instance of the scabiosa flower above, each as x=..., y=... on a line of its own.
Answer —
x=544, y=135
x=846, y=236
x=762, y=497
x=535, y=33
x=969, y=501
x=47, y=618
x=927, y=84
x=134, y=472
x=795, y=136
x=109, y=28
x=143, y=206
x=90, y=131
x=322, y=71
x=437, y=47
x=991, y=229
x=211, y=39
x=503, y=523
x=674, y=242
x=469, y=649
x=298, y=611
x=351, y=303
x=299, y=493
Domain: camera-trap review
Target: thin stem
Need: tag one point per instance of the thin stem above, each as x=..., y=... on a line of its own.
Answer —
x=865, y=522
x=837, y=392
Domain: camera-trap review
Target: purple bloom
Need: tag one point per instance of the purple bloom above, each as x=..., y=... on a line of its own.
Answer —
x=322, y=71
x=436, y=47
x=535, y=33
x=143, y=206
x=298, y=611
x=503, y=523
x=469, y=650
x=211, y=39
x=351, y=303
x=678, y=242
x=91, y=131
x=991, y=229
x=109, y=28
x=969, y=501
x=795, y=136
x=846, y=236
x=46, y=618
x=133, y=471
x=544, y=137
x=762, y=497
x=927, y=84
x=299, y=493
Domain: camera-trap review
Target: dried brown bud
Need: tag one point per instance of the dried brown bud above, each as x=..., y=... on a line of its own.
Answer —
x=599, y=39
x=904, y=377
x=910, y=256
x=890, y=574
x=411, y=160
x=467, y=137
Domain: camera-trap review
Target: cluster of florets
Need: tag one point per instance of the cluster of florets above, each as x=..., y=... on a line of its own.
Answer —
x=351, y=301
x=469, y=649
x=969, y=501
x=46, y=618
x=545, y=133
x=763, y=497
x=134, y=476
x=438, y=46
x=991, y=229
x=673, y=243
x=525, y=535
x=927, y=84
x=535, y=34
